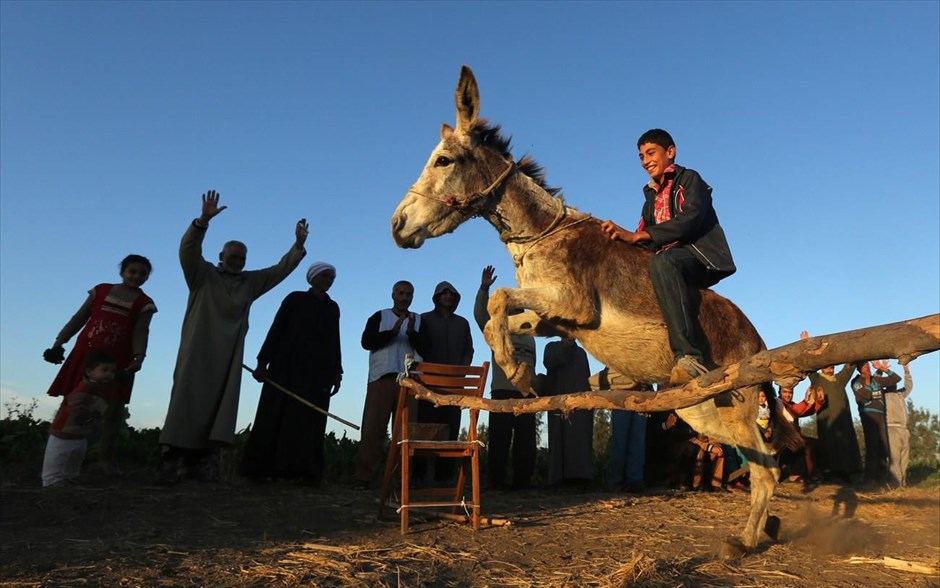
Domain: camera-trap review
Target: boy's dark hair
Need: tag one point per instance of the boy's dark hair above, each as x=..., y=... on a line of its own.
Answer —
x=656, y=137
x=134, y=258
x=98, y=357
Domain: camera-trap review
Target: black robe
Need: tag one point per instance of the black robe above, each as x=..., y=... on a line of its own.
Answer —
x=302, y=354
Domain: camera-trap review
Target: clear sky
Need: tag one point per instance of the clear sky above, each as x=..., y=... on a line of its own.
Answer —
x=817, y=124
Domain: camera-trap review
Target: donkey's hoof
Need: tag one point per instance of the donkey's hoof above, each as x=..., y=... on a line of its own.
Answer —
x=772, y=527
x=732, y=548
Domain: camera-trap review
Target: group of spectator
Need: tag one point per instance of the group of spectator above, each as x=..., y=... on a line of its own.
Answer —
x=301, y=353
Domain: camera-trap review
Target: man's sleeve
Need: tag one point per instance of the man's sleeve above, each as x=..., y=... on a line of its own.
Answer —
x=480, y=313
x=263, y=280
x=191, y=259
x=371, y=341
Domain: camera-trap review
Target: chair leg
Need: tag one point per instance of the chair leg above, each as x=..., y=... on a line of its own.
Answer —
x=475, y=481
x=405, y=484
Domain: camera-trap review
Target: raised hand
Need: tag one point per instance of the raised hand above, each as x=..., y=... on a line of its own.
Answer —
x=488, y=277
x=810, y=395
x=881, y=364
x=210, y=207
x=804, y=335
x=300, y=233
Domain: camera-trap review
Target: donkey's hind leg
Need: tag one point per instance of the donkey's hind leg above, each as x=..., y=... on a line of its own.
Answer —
x=738, y=410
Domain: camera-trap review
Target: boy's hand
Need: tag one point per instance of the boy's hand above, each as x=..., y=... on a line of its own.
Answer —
x=618, y=233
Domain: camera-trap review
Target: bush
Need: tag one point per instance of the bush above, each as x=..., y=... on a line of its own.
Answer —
x=22, y=435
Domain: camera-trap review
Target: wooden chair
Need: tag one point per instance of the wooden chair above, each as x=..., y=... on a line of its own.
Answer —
x=441, y=379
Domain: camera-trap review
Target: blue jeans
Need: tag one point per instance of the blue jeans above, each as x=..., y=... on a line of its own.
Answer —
x=627, y=448
x=677, y=276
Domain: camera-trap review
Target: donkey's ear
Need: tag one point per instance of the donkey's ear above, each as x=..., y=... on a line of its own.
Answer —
x=468, y=99
x=446, y=131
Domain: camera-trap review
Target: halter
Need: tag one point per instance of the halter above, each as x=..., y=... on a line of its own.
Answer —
x=473, y=204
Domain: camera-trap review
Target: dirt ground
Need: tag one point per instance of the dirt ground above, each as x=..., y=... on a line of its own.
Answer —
x=286, y=534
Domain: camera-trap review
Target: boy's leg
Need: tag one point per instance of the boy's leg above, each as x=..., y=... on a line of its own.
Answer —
x=62, y=460
x=676, y=275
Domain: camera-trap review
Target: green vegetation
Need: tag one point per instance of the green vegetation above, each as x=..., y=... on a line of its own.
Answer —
x=23, y=441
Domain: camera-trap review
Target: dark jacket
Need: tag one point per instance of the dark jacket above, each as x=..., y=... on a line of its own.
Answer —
x=694, y=223
x=444, y=337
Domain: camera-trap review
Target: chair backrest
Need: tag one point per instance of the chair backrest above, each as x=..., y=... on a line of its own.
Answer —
x=464, y=380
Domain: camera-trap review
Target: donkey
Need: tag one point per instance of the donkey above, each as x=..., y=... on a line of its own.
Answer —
x=574, y=281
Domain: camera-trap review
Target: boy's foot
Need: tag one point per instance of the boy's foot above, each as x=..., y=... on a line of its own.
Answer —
x=687, y=368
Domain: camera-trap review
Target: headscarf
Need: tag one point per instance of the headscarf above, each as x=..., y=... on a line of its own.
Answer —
x=316, y=268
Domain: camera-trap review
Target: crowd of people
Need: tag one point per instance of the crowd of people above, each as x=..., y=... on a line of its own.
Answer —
x=300, y=362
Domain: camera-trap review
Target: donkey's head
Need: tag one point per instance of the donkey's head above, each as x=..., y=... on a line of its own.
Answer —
x=458, y=181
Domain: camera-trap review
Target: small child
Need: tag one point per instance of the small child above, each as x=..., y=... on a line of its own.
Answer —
x=78, y=417
x=763, y=417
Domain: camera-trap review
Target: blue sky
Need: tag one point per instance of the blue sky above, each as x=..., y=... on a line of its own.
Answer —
x=817, y=124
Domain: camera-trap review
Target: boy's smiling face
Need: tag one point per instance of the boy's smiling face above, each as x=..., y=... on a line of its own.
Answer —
x=655, y=159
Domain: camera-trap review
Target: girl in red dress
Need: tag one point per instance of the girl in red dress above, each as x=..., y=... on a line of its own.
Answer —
x=116, y=319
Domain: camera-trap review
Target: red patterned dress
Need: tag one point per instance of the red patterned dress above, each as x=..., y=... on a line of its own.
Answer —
x=108, y=328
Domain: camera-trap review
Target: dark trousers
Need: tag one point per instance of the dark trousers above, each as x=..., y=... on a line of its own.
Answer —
x=677, y=276
x=507, y=429
x=875, y=430
x=380, y=405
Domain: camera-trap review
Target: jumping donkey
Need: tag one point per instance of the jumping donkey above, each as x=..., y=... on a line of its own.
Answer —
x=573, y=280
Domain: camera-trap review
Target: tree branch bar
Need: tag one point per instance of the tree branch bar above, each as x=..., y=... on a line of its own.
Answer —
x=787, y=365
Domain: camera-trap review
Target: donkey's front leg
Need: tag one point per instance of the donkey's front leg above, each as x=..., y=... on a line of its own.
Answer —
x=545, y=304
x=496, y=333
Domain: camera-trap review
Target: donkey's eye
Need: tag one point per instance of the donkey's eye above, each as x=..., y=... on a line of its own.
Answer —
x=443, y=161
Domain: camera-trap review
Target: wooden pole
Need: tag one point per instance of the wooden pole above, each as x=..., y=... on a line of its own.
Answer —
x=302, y=400
x=786, y=365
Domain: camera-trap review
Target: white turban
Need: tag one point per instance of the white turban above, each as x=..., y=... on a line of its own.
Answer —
x=318, y=267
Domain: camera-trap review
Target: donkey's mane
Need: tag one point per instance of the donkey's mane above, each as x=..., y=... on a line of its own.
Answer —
x=490, y=136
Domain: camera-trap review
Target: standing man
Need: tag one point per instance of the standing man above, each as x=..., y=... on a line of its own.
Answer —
x=207, y=378
x=869, y=394
x=444, y=338
x=507, y=429
x=302, y=353
x=899, y=438
x=570, y=436
x=680, y=225
x=390, y=334
x=627, y=457
x=838, y=445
